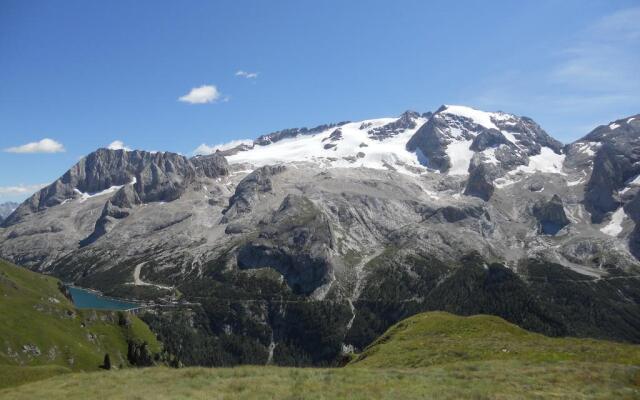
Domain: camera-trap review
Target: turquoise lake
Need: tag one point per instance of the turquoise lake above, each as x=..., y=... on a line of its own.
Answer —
x=83, y=298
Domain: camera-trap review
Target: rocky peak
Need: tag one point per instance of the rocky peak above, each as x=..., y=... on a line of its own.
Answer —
x=407, y=120
x=454, y=134
x=613, y=151
x=159, y=176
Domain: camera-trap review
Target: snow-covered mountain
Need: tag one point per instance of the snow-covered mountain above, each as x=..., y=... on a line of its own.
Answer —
x=407, y=144
x=368, y=221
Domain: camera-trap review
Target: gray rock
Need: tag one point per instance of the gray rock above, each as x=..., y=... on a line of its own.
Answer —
x=247, y=191
x=293, y=132
x=296, y=242
x=158, y=177
x=488, y=138
x=211, y=166
x=480, y=182
x=550, y=215
x=615, y=162
x=406, y=121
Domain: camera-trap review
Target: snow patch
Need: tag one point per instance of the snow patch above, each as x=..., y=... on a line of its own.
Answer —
x=86, y=196
x=614, y=227
x=630, y=184
x=574, y=183
x=347, y=152
x=613, y=126
x=460, y=156
x=479, y=117
x=510, y=137
x=588, y=148
x=547, y=161
x=490, y=156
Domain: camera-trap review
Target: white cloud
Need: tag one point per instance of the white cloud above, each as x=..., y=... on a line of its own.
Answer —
x=205, y=149
x=21, y=189
x=248, y=75
x=118, y=145
x=201, y=95
x=43, y=146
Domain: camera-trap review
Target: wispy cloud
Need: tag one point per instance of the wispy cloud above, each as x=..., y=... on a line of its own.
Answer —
x=605, y=57
x=205, y=149
x=201, y=95
x=21, y=189
x=591, y=78
x=245, y=74
x=118, y=145
x=43, y=146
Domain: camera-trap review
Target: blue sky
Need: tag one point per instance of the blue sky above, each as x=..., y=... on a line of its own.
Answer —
x=87, y=73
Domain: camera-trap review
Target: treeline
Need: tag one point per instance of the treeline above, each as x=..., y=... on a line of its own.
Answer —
x=253, y=317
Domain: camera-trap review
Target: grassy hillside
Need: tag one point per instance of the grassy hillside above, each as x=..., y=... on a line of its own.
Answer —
x=435, y=338
x=39, y=327
x=432, y=355
x=465, y=380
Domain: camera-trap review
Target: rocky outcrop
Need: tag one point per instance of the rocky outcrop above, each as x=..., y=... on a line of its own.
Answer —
x=480, y=182
x=116, y=208
x=406, y=121
x=334, y=136
x=211, y=166
x=528, y=134
x=487, y=139
x=293, y=132
x=296, y=242
x=550, y=215
x=247, y=191
x=430, y=140
x=615, y=162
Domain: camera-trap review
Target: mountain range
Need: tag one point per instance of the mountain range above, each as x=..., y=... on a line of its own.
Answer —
x=308, y=243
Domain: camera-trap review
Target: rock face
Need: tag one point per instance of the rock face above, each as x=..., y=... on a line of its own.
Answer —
x=273, y=137
x=406, y=121
x=155, y=177
x=501, y=139
x=615, y=163
x=118, y=207
x=297, y=242
x=211, y=166
x=294, y=252
x=550, y=215
x=248, y=190
x=481, y=177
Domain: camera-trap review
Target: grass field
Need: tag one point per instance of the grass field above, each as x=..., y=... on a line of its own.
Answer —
x=437, y=338
x=463, y=380
x=432, y=355
x=39, y=327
